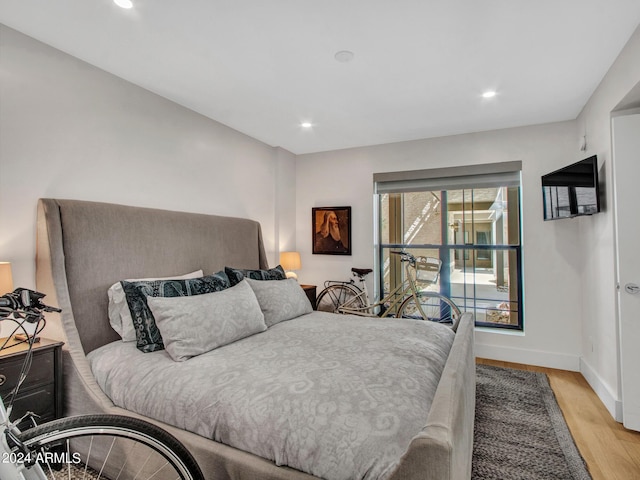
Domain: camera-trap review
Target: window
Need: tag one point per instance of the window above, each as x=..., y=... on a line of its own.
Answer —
x=469, y=218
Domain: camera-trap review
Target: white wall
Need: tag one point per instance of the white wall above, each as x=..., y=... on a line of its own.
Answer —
x=285, y=202
x=552, y=264
x=600, y=340
x=69, y=130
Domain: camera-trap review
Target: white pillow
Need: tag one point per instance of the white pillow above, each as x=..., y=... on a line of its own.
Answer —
x=197, y=324
x=280, y=300
x=119, y=314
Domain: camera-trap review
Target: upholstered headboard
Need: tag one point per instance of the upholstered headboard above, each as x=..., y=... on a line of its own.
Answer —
x=85, y=247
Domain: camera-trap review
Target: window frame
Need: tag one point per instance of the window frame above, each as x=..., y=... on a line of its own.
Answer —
x=452, y=178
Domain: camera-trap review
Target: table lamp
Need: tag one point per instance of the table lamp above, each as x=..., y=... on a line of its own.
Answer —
x=290, y=261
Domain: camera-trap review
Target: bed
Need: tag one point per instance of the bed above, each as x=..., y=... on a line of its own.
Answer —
x=85, y=247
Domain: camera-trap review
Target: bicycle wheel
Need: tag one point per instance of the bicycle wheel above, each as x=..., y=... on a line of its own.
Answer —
x=333, y=296
x=435, y=306
x=108, y=447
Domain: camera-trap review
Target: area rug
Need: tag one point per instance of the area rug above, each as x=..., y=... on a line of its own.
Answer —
x=520, y=432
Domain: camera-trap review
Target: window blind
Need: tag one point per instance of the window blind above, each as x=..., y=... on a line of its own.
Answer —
x=504, y=174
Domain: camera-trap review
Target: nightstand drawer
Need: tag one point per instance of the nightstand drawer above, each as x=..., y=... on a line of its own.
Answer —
x=39, y=400
x=41, y=391
x=42, y=371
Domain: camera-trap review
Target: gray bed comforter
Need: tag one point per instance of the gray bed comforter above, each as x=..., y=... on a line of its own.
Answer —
x=336, y=396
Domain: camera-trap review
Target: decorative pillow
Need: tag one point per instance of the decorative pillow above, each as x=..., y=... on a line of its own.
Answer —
x=191, y=326
x=281, y=300
x=119, y=315
x=148, y=338
x=237, y=274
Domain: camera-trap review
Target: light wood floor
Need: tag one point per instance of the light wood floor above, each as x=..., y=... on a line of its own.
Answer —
x=611, y=451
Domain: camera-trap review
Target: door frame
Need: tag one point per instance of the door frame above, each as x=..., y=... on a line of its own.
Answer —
x=627, y=366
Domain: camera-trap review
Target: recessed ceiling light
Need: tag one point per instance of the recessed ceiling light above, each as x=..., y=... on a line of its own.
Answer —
x=123, y=3
x=306, y=125
x=344, y=56
x=489, y=94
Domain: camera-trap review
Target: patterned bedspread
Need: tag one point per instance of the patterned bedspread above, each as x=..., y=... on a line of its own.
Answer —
x=336, y=396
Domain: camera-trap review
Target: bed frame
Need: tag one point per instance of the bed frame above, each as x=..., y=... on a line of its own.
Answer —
x=85, y=247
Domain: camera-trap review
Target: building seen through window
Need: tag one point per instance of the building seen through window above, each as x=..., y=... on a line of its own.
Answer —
x=474, y=231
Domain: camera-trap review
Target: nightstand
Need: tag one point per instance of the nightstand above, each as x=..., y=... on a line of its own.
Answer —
x=41, y=392
x=310, y=290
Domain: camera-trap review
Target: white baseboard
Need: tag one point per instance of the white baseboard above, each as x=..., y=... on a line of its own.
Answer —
x=603, y=391
x=529, y=357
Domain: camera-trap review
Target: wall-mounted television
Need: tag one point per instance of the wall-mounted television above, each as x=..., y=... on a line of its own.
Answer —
x=572, y=191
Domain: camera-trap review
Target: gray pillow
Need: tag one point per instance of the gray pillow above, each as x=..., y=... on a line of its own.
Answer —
x=280, y=300
x=197, y=324
x=148, y=337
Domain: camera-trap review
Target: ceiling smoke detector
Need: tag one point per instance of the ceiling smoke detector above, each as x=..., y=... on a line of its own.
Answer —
x=344, y=56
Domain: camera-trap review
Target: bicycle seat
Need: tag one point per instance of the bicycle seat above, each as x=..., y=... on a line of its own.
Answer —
x=361, y=271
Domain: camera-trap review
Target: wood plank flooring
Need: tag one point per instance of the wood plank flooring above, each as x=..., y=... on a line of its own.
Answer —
x=611, y=451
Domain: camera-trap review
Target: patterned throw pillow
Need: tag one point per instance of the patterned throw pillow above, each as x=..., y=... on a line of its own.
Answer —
x=237, y=274
x=148, y=338
x=119, y=315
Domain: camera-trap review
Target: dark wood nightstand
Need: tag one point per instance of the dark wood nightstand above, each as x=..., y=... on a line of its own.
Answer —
x=310, y=290
x=41, y=392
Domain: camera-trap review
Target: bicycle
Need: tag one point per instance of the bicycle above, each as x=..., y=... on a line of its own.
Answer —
x=410, y=299
x=89, y=446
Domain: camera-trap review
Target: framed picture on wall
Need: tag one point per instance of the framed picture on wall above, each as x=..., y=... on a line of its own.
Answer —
x=331, y=230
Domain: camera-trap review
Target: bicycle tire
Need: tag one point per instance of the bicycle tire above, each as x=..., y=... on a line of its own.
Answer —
x=436, y=307
x=336, y=295
x=108, y=447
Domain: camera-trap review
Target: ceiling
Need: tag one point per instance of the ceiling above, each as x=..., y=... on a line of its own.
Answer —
x=419, y=67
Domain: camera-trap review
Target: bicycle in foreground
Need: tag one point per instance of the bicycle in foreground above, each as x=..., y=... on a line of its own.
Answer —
x=106, y=447
x=410, y=299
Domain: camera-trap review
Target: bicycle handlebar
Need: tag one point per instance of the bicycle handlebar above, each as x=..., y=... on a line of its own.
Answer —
x=24, y=301
x=405, y=256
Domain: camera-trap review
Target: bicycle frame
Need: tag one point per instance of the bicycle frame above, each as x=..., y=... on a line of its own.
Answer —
x=389, y=303
x=11, y=466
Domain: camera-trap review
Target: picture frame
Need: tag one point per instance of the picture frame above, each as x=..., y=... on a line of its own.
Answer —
x=331, y=230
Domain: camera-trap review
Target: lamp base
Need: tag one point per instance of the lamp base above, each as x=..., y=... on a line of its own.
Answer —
x=291, y=275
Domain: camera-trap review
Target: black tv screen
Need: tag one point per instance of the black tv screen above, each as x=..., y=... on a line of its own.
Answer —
x=572, y=191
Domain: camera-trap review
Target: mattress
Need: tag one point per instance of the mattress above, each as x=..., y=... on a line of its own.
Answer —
x=336, y=396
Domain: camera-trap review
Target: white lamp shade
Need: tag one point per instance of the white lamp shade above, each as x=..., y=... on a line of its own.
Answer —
x=6, y=279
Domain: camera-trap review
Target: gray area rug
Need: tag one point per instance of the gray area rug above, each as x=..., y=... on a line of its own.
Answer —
x=520, y=432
